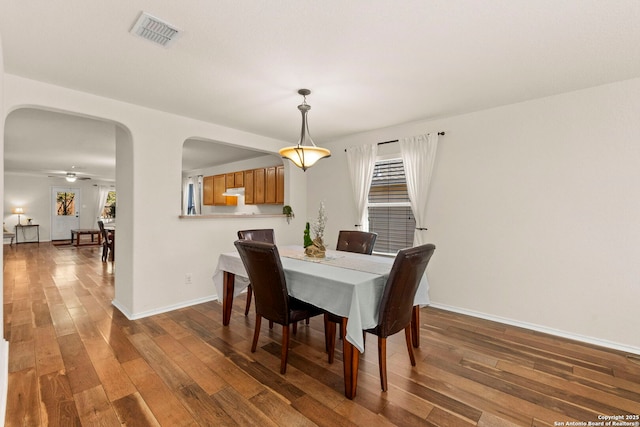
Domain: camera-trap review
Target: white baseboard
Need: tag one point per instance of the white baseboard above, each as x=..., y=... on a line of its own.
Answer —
x=135, y=316
x=4, y=376
x=539, y=328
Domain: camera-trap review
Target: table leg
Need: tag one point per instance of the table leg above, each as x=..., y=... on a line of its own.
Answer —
x=351, y=357
x=227, y=297
x=415, y=326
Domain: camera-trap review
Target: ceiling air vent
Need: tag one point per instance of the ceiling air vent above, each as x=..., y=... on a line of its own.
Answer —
x=153, y=29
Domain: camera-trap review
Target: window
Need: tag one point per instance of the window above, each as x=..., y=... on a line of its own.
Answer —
x=389, y=208
x=109, y=210
x=65, y=204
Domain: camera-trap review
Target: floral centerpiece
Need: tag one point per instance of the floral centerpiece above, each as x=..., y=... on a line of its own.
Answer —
x=317, y=249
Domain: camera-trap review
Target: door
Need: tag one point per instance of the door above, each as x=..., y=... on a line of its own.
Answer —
x=65, y=213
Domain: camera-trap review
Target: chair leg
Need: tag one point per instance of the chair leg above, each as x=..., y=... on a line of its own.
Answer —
x=105, y=250
x=270, y=324
x=407, y=335
x=285, y=349
x=295, y=328
x=382, y=362
x=256, y=333
x=249, y=294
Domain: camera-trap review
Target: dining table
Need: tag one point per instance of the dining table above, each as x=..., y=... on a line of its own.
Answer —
x=347, y=284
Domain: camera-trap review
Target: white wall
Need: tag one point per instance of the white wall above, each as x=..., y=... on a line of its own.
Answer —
x=33, y=193
x=155, y=249
x=534, y=211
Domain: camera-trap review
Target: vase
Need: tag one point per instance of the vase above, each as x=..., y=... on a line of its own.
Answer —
x=317, y=249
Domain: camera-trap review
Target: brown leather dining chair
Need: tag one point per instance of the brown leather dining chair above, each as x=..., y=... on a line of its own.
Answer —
x=360, y=242
x=107, y=243
x=260, y=235
x=262, y=262
x=396, y=304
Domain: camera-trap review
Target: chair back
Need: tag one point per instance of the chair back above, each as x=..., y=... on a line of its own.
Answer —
x=262, y=262
x=404, y=279
x=105, y=235
x=261, y=235
x=360, y=242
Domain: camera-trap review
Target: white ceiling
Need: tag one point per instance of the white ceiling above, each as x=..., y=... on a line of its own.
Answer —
x=369, y=64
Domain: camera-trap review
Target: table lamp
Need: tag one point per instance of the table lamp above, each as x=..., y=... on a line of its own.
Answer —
x=18, y=211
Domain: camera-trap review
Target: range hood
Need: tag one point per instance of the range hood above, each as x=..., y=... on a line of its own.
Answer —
x=234, y=192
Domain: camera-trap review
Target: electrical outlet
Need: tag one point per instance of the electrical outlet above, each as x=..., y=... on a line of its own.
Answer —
x=187, y=279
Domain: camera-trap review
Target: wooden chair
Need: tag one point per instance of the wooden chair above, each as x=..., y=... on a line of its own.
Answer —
x=108, y=243
x=262, y=262
x=396, y=305
x=360, y=242
x=260, y=235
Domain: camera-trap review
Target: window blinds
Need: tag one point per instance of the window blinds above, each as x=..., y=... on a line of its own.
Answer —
x=389, y=208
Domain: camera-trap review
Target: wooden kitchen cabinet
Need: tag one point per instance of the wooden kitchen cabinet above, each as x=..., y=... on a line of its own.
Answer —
x=261, y=186
x=239, y=179
x=229, y=181
x=270, y=185
x=249, y=187
x=258, y=186
x=280, y=185
x=207, y=190
x=219, y=187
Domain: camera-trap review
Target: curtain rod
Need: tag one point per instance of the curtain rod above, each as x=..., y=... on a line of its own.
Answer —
x=395, y=140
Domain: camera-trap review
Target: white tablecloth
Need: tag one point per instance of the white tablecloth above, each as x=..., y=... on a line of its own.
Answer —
x=335, y=284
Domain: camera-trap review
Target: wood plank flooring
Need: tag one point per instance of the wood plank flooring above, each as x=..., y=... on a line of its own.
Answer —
x=76, y=360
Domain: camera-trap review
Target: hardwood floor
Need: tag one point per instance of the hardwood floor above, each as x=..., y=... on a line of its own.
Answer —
x=76, y=360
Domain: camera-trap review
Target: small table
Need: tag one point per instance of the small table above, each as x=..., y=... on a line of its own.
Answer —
x=22, y=227
x=81, y=231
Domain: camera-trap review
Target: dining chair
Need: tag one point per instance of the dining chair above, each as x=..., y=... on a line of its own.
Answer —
x=396, y=304
x=360, y=242
x=260, y=235
x=108, y=243
x=262, y=263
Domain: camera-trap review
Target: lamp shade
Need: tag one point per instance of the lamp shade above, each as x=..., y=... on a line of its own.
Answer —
x=18, y=211
x=306, y=153
x=304, y=156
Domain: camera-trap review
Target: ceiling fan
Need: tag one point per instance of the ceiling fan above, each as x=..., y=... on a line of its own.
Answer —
x=70, y=177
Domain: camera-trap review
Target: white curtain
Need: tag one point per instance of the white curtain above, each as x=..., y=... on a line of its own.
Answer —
x=196, y=181
x=197, y=194
x=361, y=162
x=418, y=156
x=185, y=195
x=103, y=192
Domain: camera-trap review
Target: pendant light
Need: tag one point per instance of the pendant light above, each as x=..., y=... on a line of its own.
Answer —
x=306, y=153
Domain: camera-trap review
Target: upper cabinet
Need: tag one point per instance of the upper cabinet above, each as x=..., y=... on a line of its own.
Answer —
x=270, y=185
x=207, y=190
x=249, y=187
x=258, y=186
x=219, y=187
x=261, y=186
x=280, y=185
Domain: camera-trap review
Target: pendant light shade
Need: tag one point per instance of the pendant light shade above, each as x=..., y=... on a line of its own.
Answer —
x=306, y=153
